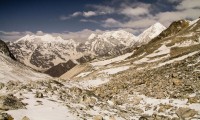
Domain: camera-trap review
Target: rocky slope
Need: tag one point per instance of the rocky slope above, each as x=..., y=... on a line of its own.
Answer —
x=12, y=70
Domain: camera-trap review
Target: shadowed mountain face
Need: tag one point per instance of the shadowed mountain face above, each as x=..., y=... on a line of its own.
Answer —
x=5, y=50
x=60, y=69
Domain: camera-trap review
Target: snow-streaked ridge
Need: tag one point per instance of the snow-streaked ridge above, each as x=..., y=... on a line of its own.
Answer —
x=194, y=21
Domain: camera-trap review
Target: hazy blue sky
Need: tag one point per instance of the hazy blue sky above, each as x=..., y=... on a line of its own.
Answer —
x=78, y=18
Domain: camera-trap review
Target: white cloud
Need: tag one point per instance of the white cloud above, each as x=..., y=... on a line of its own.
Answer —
x=89, y=14
x=64, y=17
x=102, y=10
x=188, y=4
x=81, y=35
x=167, y=17
x=174, y=1
x=110, y=22
x=140, y=15
x=135, y=24
x=13, y=35
x=143, y=23
x=76, y=14
x=99, y=10
x=10, y=33
x=129, y=11
x=88, y=20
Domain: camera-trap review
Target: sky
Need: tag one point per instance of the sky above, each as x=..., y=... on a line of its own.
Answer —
x=77, y=19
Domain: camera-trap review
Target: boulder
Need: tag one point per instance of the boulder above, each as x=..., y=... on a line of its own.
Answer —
x=5, y=116
x=185, y=112
x=98, y=117
x=10, y=102
x=1, y=85
x=39, y=95
x=25, y=118
x=177, y=82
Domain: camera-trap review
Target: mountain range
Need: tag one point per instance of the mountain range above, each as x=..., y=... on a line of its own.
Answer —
x=43, y=52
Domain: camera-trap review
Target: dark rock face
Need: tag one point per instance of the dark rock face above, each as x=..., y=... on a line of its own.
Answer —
x=40, y=60
x=83, y=47
x=84, y=59
x=5, y=50
x=5, y=116
x=58, y=70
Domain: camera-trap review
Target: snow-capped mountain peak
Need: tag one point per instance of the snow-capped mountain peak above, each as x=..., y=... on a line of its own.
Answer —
x=24, y=38
x=151, y=32
x=92, y=36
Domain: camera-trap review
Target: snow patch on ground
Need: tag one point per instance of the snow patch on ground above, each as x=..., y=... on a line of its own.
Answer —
x=185, y=44
x=109, y=61
x=115, y=70
x=177, y=59
x=92, y=83
x=156, y=102
x=47, y=110
x=160, y=51
x=83, y=74
x=192, y=22
x=163, y=50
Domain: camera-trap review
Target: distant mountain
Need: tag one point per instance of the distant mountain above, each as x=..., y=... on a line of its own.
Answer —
x=110, y=43
x=44, y=52
x=150, y=33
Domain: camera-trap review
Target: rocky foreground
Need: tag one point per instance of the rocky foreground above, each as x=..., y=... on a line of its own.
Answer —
x=170, y=92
